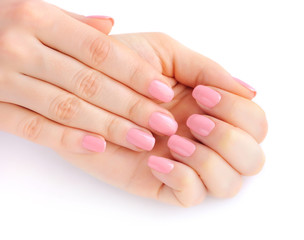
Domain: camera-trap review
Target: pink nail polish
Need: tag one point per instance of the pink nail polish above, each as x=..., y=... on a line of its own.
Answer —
x=163, y=123
x=200, y=124
x=160, y=164
x=94, y=144
x=245, y=85
x=140, y=139
x=101, y=17
x=161, y=91
x=181, y=146
x=206, y=96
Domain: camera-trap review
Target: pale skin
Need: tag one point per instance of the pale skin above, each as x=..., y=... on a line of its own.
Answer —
x=229, y=151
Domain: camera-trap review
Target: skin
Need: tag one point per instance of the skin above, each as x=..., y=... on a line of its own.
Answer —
x=221, y=158
x=239, y=128
x=230, y=151
x=71, y=75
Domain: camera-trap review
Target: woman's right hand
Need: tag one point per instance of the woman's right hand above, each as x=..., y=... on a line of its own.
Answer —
x=213, y=154
x=55, y=64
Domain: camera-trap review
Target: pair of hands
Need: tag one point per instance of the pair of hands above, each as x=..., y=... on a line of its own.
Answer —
x=70, y=87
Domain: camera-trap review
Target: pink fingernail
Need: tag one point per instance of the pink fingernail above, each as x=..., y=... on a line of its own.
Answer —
x=163, y=123
x=140, y=139
x=161, y=91
x=160, y=164
x=200, y=124
x=206, y=96
x=102, y=17
x=94, y=144
x=245, y=85
x=181, y=146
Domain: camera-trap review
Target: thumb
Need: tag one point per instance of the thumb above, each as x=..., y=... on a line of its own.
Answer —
x=191, y=69
x=101, y=23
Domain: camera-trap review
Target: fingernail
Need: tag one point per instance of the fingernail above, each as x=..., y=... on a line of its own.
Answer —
x=94, y=144
x=160, y=164
x=163, y=123
x=161, y=91
x=181, y=146
x=102, y=17
x=140, y=139
x=206, y=96
x=200, y=124
x=245, y=85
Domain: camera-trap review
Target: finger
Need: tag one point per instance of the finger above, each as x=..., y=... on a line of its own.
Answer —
x=237, y=147
x=182, y=186
x=101, y=23
x=102, y=53
x=97, y=88
x=192, y=69
x=238, y=111
x=65, y=108
x=38, y=129
x=220, y=179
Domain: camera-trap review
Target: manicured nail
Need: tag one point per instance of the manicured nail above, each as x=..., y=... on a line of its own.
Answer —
x=161, y=91
x=140, y=139
x=200, y=124
x=206, y=96
x=102, y=17
x=245, y=85
x=94, y=144
x=160, y=164
x=181, y=146
x=162, y=123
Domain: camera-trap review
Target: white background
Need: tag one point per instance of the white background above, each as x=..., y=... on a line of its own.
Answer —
x=261, y=42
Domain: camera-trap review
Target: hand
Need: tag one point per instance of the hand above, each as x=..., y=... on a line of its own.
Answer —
x=219, y=159
x=54, y=64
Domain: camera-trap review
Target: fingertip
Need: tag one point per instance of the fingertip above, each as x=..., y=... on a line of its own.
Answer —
x=160, y=164
x=181, y=146
x=161, y=91
x=101, y=17
x=94, y=144
x=252, y=91
x=101, y=23
x=163, y=123
x=141, y=139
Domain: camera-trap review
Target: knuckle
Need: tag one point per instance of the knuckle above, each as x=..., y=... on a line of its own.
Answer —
x=136, y=108
x=135, y=72
x=11, y=49
x=64, y=108
x=7, y=43
x=256, y=164
x=192, y=201
x=228, y=137
x=162, y=36
x=234, y=188
x=195, y=200
x=65, y=139
x=25, y=12
x=2, y=78
x=229, y=187
x=31, y=128
x=223, y=186
x=262, y=125
x=87, y=83
x=6, y=84
x=254, y=113
x=99, y=50
x=250, y=159
x=111, y=127
x=188, y=180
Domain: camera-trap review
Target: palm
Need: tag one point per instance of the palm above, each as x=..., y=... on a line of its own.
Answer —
x=128, y=169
